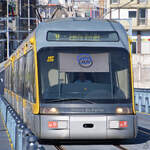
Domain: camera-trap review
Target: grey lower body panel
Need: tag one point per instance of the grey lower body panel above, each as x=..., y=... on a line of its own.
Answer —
x=87, y=127
x=128, y=132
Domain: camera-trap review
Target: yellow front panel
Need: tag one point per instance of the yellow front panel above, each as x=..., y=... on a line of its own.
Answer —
x=132, y=82
x=35, y=107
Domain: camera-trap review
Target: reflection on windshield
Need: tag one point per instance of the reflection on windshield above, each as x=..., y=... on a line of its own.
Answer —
x=78, y=75
x=81, y=85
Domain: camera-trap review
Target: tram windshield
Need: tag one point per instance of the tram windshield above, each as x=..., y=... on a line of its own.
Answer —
x=95, y=74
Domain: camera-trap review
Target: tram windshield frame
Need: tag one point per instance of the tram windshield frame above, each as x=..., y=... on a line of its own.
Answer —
x=109, y=81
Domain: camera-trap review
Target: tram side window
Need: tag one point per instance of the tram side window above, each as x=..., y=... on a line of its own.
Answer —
x=33, y=78
x=121, y=75
x=29, y=84
x=15, y=85
x=21, y=76
x=6, y=78
x=9, y=78
x=12, y=78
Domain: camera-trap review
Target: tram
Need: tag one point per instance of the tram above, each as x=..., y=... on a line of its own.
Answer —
x=72, y=79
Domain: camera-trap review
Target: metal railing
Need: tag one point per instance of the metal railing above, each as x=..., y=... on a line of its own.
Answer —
x=142, y=100
x=22, y=138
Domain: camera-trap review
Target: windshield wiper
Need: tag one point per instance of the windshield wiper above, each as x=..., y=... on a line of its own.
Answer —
x=69, y=99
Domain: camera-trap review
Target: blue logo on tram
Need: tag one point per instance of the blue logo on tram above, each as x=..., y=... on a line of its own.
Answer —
x=85, y=60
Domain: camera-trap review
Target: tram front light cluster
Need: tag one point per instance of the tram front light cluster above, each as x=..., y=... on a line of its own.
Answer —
x=52, y=110
x=58, y=124
x=114, y=124
x=123, y=110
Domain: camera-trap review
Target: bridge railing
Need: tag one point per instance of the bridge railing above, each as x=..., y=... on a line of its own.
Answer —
x=21, y=137
x=142, y=100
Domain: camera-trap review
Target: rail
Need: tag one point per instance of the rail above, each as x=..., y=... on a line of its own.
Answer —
x=59, y=147
x=120, y=147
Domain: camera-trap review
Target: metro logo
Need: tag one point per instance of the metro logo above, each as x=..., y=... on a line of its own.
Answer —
x=52, y=124
x=123, y=124
x=85, y=60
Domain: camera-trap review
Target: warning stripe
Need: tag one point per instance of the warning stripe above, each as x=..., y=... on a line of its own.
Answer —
x=10, y=141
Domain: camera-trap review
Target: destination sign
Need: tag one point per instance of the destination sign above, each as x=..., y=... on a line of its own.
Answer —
x=83, y=36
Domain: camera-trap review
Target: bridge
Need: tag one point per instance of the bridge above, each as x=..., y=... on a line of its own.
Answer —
x=15, y=135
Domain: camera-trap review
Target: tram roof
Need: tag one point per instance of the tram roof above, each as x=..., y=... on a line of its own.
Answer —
x=80, y=24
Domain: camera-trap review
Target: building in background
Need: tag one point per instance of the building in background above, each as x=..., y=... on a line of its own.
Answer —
x=85, y=8
x=139, y=12
x=46, y=8
x=21, y=18
x=16, y=24
x=3, y=12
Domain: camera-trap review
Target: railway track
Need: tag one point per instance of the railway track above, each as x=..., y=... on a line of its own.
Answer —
x=120, y=147
x=123, y=148
x=59, y=147
x=144, y=132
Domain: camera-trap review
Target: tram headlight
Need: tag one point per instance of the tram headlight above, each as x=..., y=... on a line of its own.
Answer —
x=123, y=110
x=119, y=110
x=52, y=110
